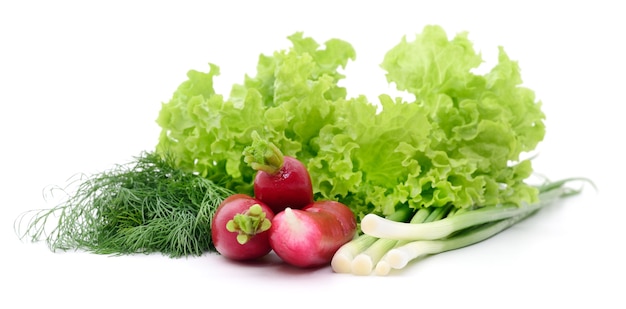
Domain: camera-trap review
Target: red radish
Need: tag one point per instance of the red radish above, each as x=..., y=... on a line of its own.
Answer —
x=309, y=237
x=240, y=228
x=281, y=181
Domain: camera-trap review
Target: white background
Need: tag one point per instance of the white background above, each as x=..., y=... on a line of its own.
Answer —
x=81, y=85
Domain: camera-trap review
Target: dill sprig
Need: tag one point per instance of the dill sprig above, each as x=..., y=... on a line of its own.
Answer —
x=145, y=206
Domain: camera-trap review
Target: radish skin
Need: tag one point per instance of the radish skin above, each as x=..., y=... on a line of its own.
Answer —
x=281, y=181
x=289, y=186
x=309, y=237
x=240, y=228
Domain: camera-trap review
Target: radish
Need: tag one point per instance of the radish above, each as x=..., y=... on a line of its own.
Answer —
x=281, y=181
x=309, y=237
x=240, y=228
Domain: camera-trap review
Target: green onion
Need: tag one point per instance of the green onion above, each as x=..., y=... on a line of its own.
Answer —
x=391, y=244
x=383, y=228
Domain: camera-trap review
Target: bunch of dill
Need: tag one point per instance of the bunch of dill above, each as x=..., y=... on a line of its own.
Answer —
x=145, y=206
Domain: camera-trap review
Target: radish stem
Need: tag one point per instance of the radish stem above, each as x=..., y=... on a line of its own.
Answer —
x=263, y=155
x=248, y=224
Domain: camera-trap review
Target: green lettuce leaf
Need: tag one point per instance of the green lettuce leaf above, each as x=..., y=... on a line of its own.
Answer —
x=458, y=142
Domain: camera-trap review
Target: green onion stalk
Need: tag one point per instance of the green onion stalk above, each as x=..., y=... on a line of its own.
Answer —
x=391, y=243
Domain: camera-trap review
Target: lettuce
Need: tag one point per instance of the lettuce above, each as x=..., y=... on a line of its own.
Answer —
x=458, y=142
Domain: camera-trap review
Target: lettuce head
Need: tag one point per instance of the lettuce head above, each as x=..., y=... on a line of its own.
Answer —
x=459, y=142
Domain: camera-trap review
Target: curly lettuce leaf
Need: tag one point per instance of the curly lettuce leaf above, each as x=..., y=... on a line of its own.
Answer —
x=431, y=63
x=459, y=142
x=288, y=101
x=480, y=123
